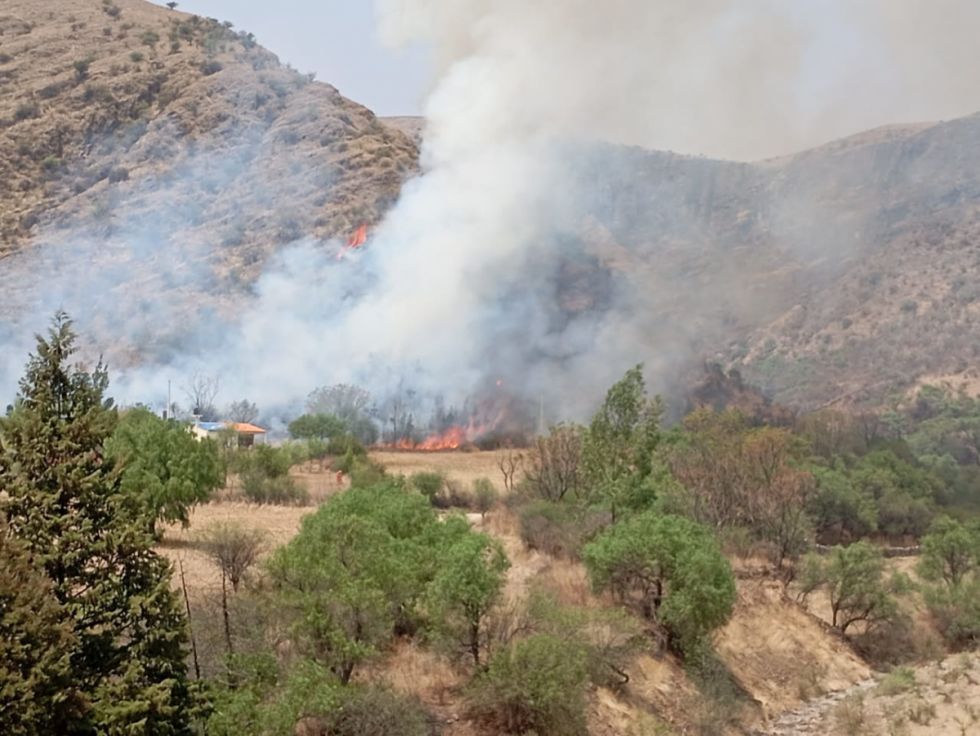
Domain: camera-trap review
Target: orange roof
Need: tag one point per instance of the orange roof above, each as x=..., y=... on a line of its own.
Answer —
x=245, y=428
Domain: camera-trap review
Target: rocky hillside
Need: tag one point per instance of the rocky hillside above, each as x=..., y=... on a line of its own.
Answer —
x=174, y=155
x=118, y=114
x=840, y=275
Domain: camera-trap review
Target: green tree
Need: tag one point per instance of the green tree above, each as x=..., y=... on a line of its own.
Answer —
x=317, y=426
x=617, y=451
x=66, y=506
x=950, y=551
x=357, y=571
x=164, y=466
x=859, y=592
x=841, y=512
x=671, y=569
x=37, y=692
x=466, y=586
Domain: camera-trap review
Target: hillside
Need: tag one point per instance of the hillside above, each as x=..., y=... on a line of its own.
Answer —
x=841, y=274
x=123, y=122
x=174, y=156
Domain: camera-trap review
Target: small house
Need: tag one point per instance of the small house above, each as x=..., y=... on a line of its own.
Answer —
x=248, y=434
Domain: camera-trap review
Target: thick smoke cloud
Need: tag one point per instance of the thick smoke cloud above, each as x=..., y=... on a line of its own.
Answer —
x=466, y=280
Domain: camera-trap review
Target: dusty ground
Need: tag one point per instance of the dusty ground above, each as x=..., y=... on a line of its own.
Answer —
x=931, y=700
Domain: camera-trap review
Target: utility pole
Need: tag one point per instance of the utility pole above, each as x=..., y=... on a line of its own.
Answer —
x=170, y=406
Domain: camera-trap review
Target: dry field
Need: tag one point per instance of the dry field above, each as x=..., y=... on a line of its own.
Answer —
x=463, y=467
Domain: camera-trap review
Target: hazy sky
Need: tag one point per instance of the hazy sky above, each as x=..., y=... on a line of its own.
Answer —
x=337, y=40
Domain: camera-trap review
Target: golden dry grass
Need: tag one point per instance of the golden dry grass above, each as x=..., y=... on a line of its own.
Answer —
x=463, y=467
x=183, y=546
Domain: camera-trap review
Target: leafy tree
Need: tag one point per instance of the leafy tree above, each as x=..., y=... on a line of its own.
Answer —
x=350, y=404
x=317, y=426
x=164, y=466
x=670, y=568
x=841, y=511
x=358, y=571
x=950, y=551
x=535, y=685
x=37, y=691
x=617, y=452
x=65, y=505
x=466, y=586
x=243, y=411
x=855, y=576
x=429, y=484
x=742, y=476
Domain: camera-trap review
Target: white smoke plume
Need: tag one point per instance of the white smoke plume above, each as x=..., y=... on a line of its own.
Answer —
x=459, y=284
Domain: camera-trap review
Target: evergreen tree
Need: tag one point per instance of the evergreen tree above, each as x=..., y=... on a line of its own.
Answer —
x=64, y=503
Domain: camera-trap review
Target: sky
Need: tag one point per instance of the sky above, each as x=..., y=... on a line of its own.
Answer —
x=337, y=39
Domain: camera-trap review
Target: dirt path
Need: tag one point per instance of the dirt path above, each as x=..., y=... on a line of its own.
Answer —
x=812, y=716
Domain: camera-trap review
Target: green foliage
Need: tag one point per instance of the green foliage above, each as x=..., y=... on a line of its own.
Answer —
x=535, y=685
x=164, y=467
x=81, y=67
x=671, y=569
x=950, y=551
x=956, y=611
x=429, y=484
x=351, y=404
x=149, y=38
x=264, y=473
x=467, y=584
x=37, y=691
x=485, y=495
x=859, y=592
x=608, y=638
x=363, y=565
x=560, y=529
x=317, y=426
x=365, y=473
x=66, y=507
x=841, y=511
x=617, y=452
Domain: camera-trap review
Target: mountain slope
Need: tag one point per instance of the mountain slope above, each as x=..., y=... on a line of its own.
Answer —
x=119, y=110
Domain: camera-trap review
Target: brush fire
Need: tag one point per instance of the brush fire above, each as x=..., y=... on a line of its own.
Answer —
x=493, y=420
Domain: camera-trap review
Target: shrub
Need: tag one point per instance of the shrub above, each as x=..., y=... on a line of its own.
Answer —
x=372, y=711
x=233, y=548
x=26, y=110
x=956, y=611
x=366, y=473
x=136, y=57
x=535, y=685
x=484, y=495
x=671, y=569
x=278, y=490
x=211, y=67
x=81, y=67
x=560, y=530
x=149, y=38
x=428, y=484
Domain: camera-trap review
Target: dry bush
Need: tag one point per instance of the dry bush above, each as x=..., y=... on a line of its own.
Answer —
x=560, y=529
x=233, y=548
x=552, y=469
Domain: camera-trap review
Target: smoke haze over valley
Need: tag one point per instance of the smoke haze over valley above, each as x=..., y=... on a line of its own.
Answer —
x=193, y=218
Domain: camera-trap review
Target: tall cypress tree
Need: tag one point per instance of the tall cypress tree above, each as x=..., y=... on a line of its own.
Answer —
x=64, y=504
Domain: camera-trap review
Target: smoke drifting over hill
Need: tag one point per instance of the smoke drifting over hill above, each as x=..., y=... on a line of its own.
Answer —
x=497, y=262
